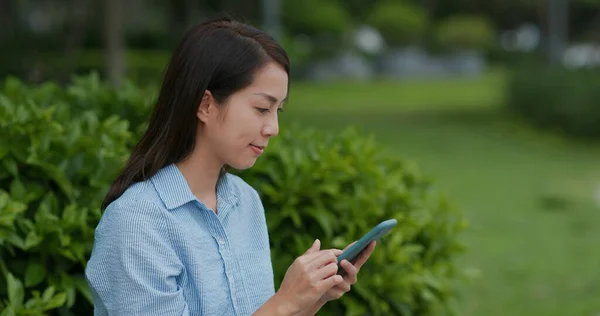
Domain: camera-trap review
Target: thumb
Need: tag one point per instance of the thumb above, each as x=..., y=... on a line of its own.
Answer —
x=315, y=247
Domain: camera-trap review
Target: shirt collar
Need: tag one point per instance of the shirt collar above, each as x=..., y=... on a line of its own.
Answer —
x=174, y=190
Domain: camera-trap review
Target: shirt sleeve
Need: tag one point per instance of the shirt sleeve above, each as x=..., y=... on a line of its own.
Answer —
x=133, y=267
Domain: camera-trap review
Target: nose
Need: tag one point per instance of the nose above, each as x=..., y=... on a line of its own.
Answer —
x=271, y=127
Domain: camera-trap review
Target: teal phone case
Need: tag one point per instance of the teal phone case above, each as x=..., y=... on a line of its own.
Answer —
x=351, y=253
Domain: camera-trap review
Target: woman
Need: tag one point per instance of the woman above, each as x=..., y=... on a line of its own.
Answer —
x=180, y=235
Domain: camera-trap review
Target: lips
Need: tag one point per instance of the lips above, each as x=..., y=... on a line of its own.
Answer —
x=257, y=148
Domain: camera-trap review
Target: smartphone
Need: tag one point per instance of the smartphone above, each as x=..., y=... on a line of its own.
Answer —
x=352, y=253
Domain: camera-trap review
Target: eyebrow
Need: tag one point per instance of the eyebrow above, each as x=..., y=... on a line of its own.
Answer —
x=271, y=98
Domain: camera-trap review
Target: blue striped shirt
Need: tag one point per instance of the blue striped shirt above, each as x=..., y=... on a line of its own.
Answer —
x=158, y=250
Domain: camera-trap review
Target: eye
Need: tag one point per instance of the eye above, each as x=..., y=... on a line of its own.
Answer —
x=262, y=110
x=280, y=110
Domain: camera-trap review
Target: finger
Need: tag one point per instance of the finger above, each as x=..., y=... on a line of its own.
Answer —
x=336, y=252
x=318, y=254
x=326, y=271
x=315, y=247
x=344, y=287
x=351, y=271
x=316, y=260
x=362, y=258
x=334, y=280
x=323, y=257
x=336, y=294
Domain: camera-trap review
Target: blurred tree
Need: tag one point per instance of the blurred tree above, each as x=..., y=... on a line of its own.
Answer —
x=430, y=6
x=8, y=25
x=75, y=31
x=508, y=13
x=183, y=13
x=584, y=23
x=314, y=17
x=271, y=17
x=466, y=32
x=400, y=23
x=557, y=29
x=7, y=18
x=359, y=9
x=320, y=25
x=114, y=35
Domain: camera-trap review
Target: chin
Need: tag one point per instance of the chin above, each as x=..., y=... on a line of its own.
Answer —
x=242, y=165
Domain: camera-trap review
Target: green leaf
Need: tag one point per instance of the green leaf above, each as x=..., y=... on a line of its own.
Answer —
x=48, y=294
x=34, y=274
x=17, y=190
x=32, y=240
x=11, y=166
x=16, y=240
x=4, y=150
x=9, y=311
x=57, y=176
x=324, y=220
x=16, y=292
x=83, y=288
x=15, y=207
x=71, y=296
x=35, y=301
x=3, y=199
x=57, y=301
x=69, y=215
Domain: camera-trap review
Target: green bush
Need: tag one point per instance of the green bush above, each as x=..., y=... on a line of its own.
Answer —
x=61, y=147
x=557, y=99
x=87, y=94
x=336, y=188
x=57, y=160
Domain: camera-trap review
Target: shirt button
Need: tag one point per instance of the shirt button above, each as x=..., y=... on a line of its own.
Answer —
x=221, y=242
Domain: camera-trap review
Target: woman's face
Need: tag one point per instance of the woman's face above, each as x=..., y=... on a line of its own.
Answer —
x=238, y=133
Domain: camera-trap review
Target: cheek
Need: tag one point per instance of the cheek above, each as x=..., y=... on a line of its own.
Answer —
x=241, y=128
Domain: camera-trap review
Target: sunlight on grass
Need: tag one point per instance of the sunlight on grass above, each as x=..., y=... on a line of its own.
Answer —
x=399, y=95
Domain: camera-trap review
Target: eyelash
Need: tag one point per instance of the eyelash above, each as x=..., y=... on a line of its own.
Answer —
x=263, y=111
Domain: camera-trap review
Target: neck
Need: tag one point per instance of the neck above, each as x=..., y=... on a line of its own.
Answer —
x=201, y=171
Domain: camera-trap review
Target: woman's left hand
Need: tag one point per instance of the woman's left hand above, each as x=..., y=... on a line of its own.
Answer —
x=350, y=274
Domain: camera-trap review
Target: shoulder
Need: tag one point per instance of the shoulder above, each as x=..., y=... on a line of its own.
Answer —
x=137, y=209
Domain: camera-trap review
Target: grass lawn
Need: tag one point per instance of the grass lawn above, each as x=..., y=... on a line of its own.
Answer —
x=534, y=226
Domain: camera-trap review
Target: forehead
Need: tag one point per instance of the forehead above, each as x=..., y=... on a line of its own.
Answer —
x=271, y=80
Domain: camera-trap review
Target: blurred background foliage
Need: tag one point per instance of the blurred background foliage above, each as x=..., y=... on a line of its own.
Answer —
x=495, y=101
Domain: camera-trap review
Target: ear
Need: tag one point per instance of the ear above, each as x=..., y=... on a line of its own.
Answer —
x=207, y=109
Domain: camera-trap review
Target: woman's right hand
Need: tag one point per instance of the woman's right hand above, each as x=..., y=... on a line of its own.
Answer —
x=308, y=278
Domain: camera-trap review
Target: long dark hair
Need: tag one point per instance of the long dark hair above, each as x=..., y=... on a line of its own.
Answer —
x=220, y=55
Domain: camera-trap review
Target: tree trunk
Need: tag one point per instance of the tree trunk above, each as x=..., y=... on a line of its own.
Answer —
x=429, y=6
x=6, y=17
x=114, y=37
x=557, y=26
x=79, y=13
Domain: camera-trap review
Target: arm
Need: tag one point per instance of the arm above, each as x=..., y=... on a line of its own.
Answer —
x=276, y=306
x=133, y=267
x=313, y=309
